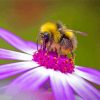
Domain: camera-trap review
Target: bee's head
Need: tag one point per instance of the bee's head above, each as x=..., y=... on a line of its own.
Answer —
x=45, y=36
x=47, y=30
x=51, y=30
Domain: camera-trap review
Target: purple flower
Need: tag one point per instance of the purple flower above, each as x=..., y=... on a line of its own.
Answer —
x=43, y=69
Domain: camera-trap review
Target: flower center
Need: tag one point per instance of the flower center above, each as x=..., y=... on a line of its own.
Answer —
x=50, y=60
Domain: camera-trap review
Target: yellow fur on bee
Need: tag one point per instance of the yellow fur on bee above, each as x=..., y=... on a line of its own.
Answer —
x=51, y=28
x=48, y=27
x=69, y=34
x=57, y=36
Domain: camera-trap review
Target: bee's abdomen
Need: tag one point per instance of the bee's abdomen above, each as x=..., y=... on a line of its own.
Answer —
x=66, y=44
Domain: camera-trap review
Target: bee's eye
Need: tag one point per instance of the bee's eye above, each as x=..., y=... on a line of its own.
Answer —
x=46, y=35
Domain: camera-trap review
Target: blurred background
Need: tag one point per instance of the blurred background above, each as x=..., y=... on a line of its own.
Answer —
x=24, y=18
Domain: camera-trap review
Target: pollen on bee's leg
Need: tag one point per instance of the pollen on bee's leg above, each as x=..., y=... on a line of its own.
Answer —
x=51, y=60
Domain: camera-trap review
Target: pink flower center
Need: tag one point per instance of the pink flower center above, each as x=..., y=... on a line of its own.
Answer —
x=50, y=60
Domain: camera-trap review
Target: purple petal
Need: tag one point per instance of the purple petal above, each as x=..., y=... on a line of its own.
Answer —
x=89, y=74
x=78, y=97
x=69, y=95
x=56, y=85
x=33, y=45
x=15, y=68
x=43, y=77
x=15, y=41
x=83, y=88
x=32, y=95
x=13, y=55
x=31, y=80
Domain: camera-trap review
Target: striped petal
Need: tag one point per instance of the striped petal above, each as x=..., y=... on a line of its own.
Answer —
x=69, y=95
x=13, y=55
x=31, y=80
x=15, y=68
x=83, y=88
x=43, y=73
x=56, y=85
x=15, y=41
x=89, y=74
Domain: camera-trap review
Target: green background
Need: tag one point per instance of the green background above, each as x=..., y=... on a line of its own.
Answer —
x=24, y=18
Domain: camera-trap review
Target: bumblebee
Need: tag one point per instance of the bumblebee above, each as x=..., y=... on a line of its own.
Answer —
x=58, y=38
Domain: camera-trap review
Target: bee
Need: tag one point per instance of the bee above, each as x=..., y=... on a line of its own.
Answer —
x=58, y=38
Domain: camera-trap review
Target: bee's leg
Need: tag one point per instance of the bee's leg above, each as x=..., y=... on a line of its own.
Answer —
x=59, y=51
x=41, y=47
x=73, y=55
x=38, y=37
x=44, y=46
x=37, y=44
x=49, y=47
x=62, y=43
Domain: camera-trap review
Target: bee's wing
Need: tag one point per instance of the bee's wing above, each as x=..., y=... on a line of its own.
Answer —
x=79, y=32
x=66, y=43
x=82, y=33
